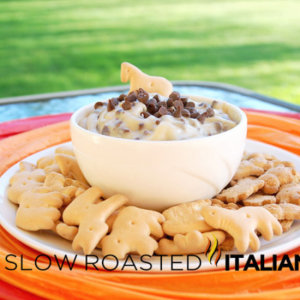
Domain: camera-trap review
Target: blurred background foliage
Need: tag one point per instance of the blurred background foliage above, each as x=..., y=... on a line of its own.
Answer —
x=48, y=46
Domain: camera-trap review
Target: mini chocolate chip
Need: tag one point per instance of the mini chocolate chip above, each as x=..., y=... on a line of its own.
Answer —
x=122, y=97
x=151, y=106
x=143, y=96
x=201, y=104
x=98, y=104
x=118, y=111
x=131, y=97
x=126, y=130
x=214, y=103
x=116, y=101
x=163, y=111
x=152, y=109
x=185, y=113
x=126, y=105
x=195, y=115
x=184, y=100
x=162, y=103
x=105, y=131
x=170, y=102
x=190, y=104
x=182, y=120
x=145, y=114
x=210, y=112
x=157, y=122
x=202, y=117
x=156, y=97
x=152, y=101
x=177, y=113
x=137, y=139
x=218, y=126
x=174, y=96
x=141, y=126
x=178, y=103
x=146, y=132
x=111, y=106
x=191, y=109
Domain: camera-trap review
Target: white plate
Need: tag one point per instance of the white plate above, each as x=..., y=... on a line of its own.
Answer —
x=51, y=244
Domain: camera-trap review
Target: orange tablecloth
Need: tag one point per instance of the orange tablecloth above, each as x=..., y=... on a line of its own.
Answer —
x=92, y=284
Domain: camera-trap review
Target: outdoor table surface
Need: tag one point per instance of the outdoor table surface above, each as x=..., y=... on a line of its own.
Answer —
x=12, y=111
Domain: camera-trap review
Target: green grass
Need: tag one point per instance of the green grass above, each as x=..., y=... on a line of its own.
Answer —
x=48, y=46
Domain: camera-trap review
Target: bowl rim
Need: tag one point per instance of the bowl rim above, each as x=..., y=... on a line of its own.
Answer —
x=242, y=122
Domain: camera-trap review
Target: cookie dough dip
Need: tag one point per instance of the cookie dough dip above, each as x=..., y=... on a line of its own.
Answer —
x=150, y=116
x=194, y=140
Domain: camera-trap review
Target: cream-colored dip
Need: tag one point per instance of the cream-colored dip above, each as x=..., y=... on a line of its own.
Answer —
x=130, y=124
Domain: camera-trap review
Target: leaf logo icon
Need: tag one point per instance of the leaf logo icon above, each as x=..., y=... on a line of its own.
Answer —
x=213, y=249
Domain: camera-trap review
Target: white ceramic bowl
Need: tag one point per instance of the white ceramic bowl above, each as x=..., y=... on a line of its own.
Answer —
x=160, y=174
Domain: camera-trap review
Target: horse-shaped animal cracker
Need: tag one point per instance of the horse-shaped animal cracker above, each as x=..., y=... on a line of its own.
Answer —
x=138, y=79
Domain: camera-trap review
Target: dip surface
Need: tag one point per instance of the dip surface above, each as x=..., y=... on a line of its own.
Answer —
x=156, y=118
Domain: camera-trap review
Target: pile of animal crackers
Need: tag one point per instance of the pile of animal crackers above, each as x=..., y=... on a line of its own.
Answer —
x=263, y=198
